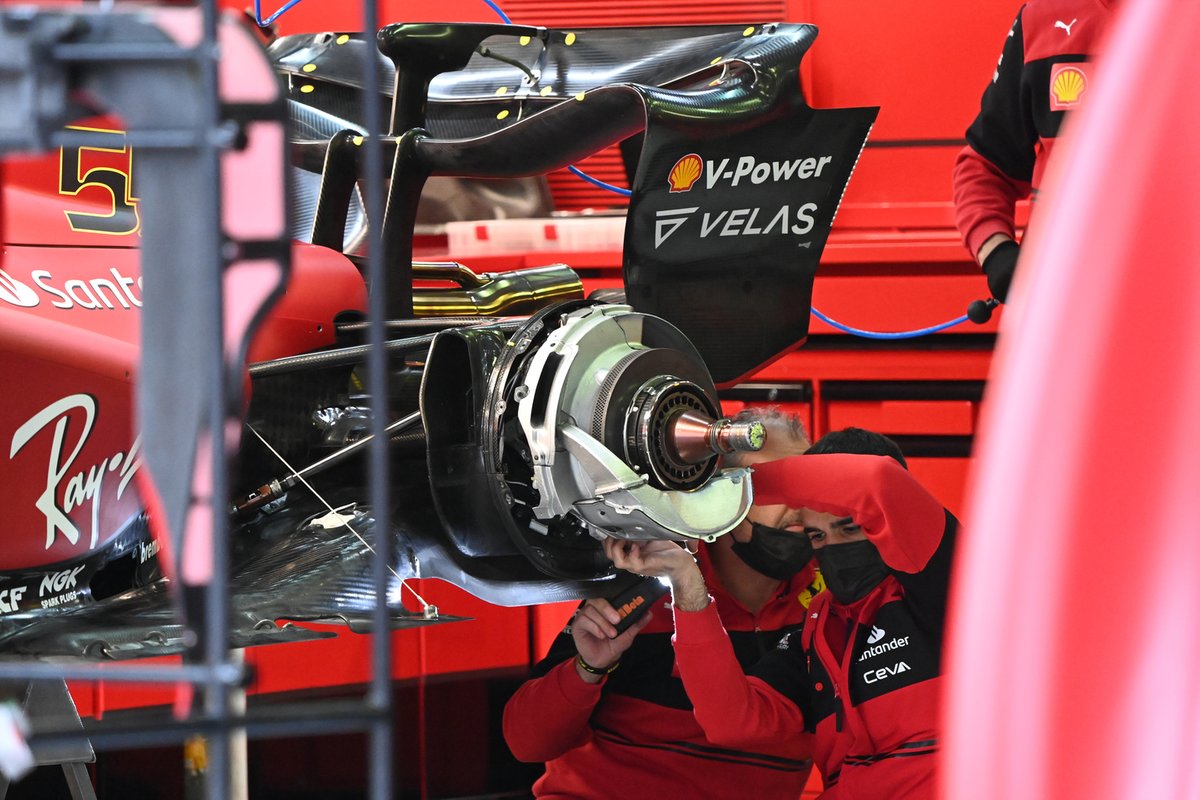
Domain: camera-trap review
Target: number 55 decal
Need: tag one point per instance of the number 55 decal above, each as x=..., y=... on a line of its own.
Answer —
x=86, y=171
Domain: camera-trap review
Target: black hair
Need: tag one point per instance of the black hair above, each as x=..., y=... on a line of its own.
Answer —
x=858, y=440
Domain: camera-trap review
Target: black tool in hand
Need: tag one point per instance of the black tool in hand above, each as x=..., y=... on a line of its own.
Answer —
x=635, y=601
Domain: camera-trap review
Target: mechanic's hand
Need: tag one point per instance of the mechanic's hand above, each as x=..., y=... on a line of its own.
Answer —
x=596, y=639
x=999, y=266
x=658, y=558
x=663, y=559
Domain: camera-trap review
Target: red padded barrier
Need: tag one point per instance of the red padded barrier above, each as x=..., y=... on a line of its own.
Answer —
x=1074, y=640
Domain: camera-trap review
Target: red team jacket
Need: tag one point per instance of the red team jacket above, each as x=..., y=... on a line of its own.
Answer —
x=863, y=679
x=634, y=735
x=1043, y=73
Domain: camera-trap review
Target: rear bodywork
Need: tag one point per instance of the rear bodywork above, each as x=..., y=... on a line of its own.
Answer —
x=525, y=422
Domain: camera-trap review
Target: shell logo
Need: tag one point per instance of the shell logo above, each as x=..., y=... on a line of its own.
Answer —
x=685, y=173
x=1067, y=86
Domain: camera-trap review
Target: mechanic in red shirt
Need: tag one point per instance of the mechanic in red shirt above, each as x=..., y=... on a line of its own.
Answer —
x=1043, y=73
x=609, y=714
x=863, y=677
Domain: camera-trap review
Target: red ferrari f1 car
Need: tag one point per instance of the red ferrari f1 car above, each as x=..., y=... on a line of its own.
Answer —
x=524, y=421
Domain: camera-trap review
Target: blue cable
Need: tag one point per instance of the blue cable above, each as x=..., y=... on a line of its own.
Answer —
x=262, y=23
x=865, y=334
x=503, y=17
x=889, y=335
x=576, y=171
x=597, y=182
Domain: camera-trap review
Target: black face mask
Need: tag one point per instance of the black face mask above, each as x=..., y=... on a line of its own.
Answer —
x=776, y=553
x=852, y=569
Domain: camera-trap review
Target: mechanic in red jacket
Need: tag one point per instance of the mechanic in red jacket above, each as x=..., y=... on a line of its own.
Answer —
x=1044, y=72
x=609, y=715
x=863, y=676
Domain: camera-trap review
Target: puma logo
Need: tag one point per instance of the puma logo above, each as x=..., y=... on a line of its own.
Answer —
x=1066, y=26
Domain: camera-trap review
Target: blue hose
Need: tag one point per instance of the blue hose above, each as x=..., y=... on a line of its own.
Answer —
x=913, y=334
x=262, y=23
x=503, y=17
x=597, y=182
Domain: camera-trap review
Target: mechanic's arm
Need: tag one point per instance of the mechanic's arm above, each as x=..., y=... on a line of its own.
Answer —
x=549, y=715
x=896, y=512
x=995, y=169
x=732, y=709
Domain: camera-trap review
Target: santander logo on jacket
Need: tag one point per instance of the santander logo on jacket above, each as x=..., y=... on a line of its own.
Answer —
x=890, y=648
x=902, y=657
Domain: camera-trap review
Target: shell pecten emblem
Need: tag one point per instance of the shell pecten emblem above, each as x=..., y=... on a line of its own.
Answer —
x=685, y=173
x=1067, y=85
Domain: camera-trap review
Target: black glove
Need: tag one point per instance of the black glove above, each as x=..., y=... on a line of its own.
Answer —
x=999, y=266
